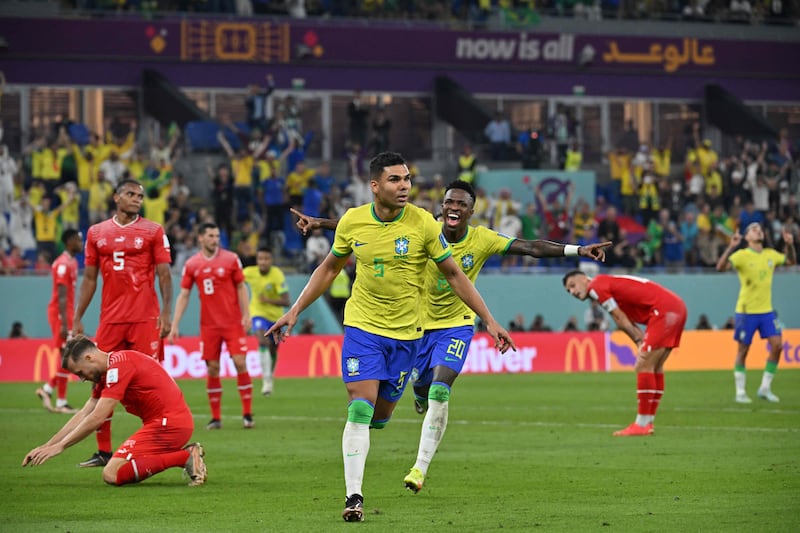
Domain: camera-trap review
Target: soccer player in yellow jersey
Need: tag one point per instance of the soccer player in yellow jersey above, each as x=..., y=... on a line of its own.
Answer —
x=392, y=241
x=448, y=322
x=269, y=295
x=755, y=265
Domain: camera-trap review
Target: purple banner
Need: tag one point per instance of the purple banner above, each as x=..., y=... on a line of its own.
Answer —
x=231, y=53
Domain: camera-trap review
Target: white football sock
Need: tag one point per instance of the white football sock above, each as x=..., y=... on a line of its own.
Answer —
x=740, y=378
x=355, y=447
x=433, y=428
x=766, y=381
x=266, y=363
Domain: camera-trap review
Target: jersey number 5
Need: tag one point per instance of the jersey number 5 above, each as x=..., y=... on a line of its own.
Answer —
x=119, y=260
x=377, y=263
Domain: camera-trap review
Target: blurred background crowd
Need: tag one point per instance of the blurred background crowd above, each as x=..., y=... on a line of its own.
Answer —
x=670, y=189
x=473, y=12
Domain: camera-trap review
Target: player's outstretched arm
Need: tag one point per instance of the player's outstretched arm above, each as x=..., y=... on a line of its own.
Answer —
x=788, y=247
x=65, y=430
x=88, y=425
x=307, y=224
x=465, y=290
x=722, y=263
x=542, y=248
x=319, y=282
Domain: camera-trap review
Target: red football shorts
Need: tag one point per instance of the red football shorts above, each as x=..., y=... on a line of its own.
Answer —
x=55, y=327
x=665, y=328
x=155, y=439
x=139, y=336
x=211, y=341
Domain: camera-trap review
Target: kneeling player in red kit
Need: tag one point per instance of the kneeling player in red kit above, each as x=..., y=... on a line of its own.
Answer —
x=146, y=390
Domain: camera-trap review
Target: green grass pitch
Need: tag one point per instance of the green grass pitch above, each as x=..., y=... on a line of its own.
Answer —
x=521, y=453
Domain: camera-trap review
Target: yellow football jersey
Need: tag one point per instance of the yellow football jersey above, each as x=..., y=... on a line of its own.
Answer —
x=755, y=277
x=271, y=285
x=391, y=259
x=444, y=308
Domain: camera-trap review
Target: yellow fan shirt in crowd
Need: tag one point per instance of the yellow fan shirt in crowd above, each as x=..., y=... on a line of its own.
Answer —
x=661, y=161
x=99, y=195
x=87, y=170
x=45, y=225
x=70, y=209
x=242, y=171
x=297, y=182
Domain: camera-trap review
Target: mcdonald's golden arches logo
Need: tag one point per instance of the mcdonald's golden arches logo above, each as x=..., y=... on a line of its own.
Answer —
x=581, y=348
x=53, y=358
x=329, y=354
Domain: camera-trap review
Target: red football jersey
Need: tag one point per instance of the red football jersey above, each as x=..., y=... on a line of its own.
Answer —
x=126, y=257
x=143, y=387
x=216, y=278
x=65, y=272
x=638, y=297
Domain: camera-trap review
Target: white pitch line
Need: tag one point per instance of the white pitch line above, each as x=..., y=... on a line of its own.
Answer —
x=528, y=423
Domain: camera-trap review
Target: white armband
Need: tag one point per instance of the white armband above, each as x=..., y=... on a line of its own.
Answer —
x=570, y=250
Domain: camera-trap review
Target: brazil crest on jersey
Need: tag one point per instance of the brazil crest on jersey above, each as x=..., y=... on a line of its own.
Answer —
x=391, y=259
x=444, y=308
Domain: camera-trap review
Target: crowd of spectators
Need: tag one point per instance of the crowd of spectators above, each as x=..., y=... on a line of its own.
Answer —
x=472, y=13
x=688, y=215
x=660, y=209
x=658, y=214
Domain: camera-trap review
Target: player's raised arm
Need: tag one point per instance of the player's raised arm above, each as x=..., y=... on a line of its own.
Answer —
x=788, y=246
x=722, y=264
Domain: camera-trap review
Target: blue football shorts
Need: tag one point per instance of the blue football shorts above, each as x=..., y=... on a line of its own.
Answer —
x=368, y=356
x=260, y=323
x=746, y=324
x=442, y=347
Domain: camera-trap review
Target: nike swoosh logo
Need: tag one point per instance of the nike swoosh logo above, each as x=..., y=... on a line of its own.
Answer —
x=394, y=393
x=360, y=243
x=450, y=359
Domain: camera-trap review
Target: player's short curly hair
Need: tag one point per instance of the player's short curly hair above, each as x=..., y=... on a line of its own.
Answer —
x=464, y=186
x=383, y=160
